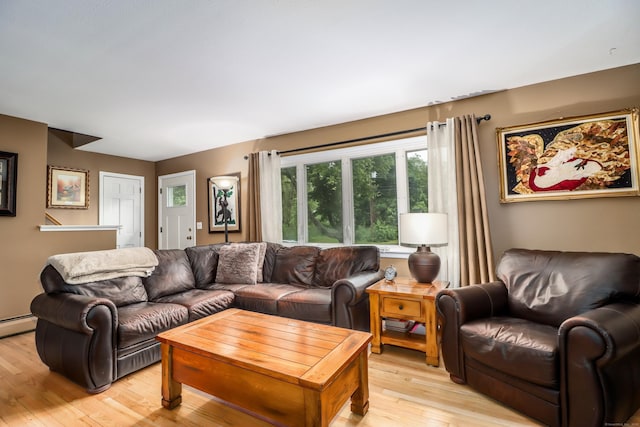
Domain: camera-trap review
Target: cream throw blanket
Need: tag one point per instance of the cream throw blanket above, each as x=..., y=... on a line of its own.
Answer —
x=84, y=267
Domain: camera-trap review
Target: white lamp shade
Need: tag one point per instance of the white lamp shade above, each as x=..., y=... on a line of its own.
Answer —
x=423, y=229
x=224, y=182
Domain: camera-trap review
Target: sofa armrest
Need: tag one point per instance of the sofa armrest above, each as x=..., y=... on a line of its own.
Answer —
x=71, y=311
x=76, y=336
x=459, y=306
x=598, y=350
x=350, y=302
x=352, y=288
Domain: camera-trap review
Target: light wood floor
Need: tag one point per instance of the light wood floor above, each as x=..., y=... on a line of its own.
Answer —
x=404, y=391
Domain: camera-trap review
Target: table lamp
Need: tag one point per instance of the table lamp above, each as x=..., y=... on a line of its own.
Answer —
x=423, y=230
x=224, y=185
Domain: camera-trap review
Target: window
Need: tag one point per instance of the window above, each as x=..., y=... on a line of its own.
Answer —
x=353, y=195
x=177, y=196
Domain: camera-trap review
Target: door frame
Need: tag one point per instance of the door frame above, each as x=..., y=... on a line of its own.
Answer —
x=189, y=173
x=102, y=176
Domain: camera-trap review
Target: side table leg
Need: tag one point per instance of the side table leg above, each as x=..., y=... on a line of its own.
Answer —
x=375, y=323
x=171, y=389
x=433, y=355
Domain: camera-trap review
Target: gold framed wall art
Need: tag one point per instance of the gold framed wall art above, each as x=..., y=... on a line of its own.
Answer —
x=67, y=188
x=578, y=157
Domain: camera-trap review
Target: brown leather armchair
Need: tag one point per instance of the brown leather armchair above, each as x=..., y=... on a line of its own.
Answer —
x=557, y=337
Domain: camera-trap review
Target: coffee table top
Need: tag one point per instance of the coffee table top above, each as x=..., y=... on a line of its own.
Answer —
x=292, y=350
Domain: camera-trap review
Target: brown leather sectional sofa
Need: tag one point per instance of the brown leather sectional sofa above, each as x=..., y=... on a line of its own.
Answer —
x=556, y=337
x=95, y=333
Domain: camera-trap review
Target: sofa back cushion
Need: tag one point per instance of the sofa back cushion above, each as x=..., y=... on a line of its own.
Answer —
x=551, y=286
x=341, y=262
x=172, y=275
x=121, y=291
x=269, y=260
x=204, y=263
x=295, y=265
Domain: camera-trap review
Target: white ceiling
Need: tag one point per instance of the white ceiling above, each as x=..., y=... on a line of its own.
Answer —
x=162, y=78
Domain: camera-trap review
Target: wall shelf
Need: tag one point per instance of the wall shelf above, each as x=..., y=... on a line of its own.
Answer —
x=78, y=227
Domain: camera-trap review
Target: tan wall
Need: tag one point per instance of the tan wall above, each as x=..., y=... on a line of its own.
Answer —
x=24, y=249
x=606, y=224
x=59, y=153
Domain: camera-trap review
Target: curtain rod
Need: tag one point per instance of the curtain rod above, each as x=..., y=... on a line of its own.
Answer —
x=486, y=117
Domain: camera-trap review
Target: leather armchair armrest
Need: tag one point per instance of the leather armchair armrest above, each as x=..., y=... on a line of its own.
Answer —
x=473, y=302
x=458, y=306
x=594, y=346
x=350, y=302
x=71, y=311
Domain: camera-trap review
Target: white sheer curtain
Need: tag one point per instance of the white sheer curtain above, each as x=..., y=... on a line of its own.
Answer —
x=442, y=194
x=270, y=196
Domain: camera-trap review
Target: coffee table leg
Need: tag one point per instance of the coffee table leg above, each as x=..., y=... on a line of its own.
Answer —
x=171, y=389
x=360, y=399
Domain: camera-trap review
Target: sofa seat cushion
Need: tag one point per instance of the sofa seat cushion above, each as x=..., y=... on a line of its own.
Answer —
x=511, y=345
x=200, y=302
x=225, y=286
x=263, y=297
x=145, y=320
x=313, y=305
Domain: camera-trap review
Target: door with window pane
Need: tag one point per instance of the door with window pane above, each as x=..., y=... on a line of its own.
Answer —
x=176, y=211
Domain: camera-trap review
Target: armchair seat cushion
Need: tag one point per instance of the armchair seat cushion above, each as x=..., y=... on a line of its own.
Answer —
x=145, y=320
x=510, y=345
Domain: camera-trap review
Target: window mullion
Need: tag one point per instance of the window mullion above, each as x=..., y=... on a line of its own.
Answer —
x=347, y=202
x=303, y=211
x=402, y=182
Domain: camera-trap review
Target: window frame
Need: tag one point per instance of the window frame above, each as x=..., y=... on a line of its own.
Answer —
x=398, y=147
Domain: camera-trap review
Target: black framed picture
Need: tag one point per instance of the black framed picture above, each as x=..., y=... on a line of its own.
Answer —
x=8, y=183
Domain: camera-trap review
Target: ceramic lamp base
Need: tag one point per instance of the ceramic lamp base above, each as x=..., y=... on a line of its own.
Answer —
x=424, y=265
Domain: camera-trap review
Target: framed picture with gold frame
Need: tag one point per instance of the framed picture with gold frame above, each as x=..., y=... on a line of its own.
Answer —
x=8, y=183
x=67, y=188
x=577, y=157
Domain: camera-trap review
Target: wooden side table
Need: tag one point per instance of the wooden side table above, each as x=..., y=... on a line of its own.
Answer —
x=404, y=298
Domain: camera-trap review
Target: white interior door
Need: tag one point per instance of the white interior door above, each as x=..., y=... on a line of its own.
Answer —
x=177, y=210
x=122, y=203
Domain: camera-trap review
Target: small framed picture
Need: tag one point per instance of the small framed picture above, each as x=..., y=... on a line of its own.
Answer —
x=8, y=183
x=578, y=157
x=67, y=188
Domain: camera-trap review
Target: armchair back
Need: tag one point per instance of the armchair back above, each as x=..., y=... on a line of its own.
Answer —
x=550, y=287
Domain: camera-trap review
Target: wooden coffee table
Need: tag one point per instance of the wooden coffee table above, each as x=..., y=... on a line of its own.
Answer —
x=290, y=371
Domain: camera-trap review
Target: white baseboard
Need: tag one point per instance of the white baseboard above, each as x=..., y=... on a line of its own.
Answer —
x=17, y=325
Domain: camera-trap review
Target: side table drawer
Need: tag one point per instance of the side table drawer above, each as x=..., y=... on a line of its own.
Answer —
x=400, y=307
